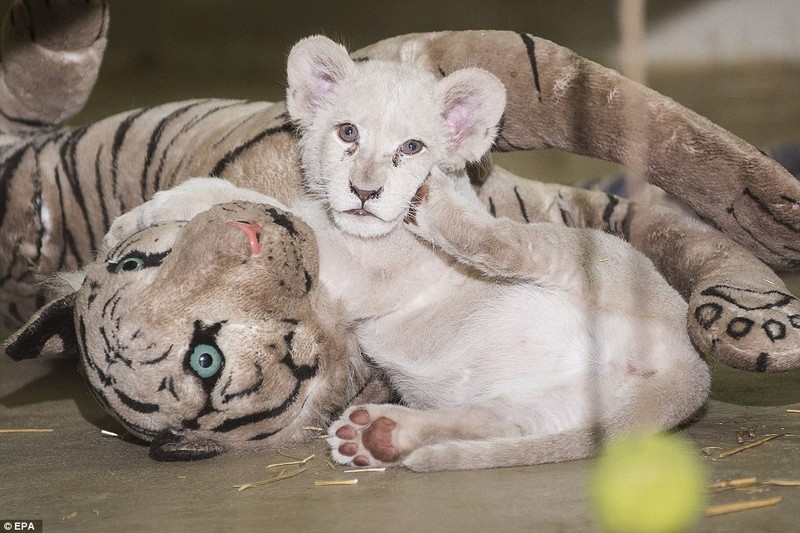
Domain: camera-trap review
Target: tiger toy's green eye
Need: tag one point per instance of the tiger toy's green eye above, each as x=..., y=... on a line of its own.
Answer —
x=348, y=132
x=206, y=361
x=411, y=147
x=130, y=264
x=137, y=260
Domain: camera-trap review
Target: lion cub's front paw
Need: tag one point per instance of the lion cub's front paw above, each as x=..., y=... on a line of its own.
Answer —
x=430, y=204
x=363, y=437
x=182, y=203
x=165, y=206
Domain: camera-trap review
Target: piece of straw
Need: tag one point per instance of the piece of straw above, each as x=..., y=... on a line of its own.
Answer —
x=323, y=483
x=748, y=446
x=292, y=463
x=354, y=470
x=783, y=482
x=290, y=456
x=732, y=484
x=280, y=477
x=725, y=508
x=26, y=430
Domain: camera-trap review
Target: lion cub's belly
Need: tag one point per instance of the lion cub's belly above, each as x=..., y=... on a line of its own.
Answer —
x=483, y=342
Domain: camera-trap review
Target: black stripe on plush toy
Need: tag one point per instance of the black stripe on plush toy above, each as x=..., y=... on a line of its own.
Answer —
x=135, y=405
x=116, y=147
x=168, y=385
x=530, y=48
x=226, y=397
x=613, y=201
x=28, y=122
x=234, y=423
x=160, y=358
x=300, y=372
x=9, y=166
x=104, y=378
x=265, y=435
x=762, y=362
x=726, y=292
x=69, y=158
x=155, y=139
x=231, y=156
x=522, y=209
x=282, y=220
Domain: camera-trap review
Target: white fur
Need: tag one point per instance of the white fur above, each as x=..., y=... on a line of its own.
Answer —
x=559, y=342
x=455, y=119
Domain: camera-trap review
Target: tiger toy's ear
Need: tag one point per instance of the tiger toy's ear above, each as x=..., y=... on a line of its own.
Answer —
x=169, y=446
x=315, y=65
x=49, y=332
x=472, y=102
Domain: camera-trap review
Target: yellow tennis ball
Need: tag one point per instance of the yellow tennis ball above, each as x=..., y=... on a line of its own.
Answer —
x=648, y=484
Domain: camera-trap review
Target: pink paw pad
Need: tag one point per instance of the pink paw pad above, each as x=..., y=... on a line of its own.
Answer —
x=360, y=417
x=377, y=439
x=367, y=441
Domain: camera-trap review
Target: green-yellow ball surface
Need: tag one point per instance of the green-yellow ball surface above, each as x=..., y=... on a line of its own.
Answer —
x=648, y=484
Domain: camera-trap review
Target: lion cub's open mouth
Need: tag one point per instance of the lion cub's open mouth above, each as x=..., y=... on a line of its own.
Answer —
x=360, y=212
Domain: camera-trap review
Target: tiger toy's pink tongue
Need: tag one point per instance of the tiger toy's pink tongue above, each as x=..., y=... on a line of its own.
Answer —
x=252, y=230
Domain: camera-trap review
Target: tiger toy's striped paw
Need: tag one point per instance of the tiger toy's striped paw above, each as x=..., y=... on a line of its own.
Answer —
x=58, y=24
x=756, y=330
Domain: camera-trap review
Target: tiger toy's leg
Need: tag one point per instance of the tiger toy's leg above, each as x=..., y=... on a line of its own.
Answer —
x=52, y=51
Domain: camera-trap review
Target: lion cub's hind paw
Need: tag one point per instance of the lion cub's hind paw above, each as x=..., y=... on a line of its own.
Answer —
x=362, y=439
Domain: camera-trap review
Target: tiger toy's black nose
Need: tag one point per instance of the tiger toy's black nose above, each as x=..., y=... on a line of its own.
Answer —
x=365, y=195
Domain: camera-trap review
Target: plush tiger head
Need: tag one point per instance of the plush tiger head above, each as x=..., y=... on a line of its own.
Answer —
x=208, y=335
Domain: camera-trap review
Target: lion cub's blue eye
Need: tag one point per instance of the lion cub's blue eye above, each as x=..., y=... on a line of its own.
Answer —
x=130, y=264
x=348, y=132
x=206, y=360
x=411, y=147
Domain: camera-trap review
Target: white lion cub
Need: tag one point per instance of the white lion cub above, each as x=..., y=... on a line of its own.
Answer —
x=518, y=353
x=509, y=344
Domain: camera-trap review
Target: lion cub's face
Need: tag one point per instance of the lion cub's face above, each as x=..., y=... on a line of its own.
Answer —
x=373, y=130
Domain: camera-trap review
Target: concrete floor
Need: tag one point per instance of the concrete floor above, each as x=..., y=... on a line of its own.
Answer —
x=75, y=479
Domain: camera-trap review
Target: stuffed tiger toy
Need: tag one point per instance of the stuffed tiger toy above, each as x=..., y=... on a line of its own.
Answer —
x=61, y=188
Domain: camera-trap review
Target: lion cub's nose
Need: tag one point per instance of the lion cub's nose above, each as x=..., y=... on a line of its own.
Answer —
x=365, y=195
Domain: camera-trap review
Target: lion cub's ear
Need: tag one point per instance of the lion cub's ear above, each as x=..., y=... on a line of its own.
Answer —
x=315, y=65
x=49, y=332
x=472, y=102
